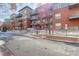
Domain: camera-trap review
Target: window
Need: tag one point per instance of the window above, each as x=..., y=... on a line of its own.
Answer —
x=71, y=28
x=76, y=28
x=58, y=26
x=57, y=17
x=60, y=5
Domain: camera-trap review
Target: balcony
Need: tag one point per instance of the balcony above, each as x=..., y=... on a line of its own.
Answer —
x=34, y=12
x=18, y=15
x=34, y=17
x=72, y=17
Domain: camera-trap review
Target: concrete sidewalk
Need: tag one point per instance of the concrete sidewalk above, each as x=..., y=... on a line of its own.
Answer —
x=58, y=38
x=55, y=37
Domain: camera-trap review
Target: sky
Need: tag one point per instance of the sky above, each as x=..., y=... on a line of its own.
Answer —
x=5, y=11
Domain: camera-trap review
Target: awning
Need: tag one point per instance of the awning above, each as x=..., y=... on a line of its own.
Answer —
x=74, y=5
x=74, y=17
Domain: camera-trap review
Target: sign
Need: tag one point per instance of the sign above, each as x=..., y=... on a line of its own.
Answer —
x=66, y=26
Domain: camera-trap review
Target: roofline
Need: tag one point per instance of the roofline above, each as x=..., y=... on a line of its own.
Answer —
x=74, y=5
x=25, y=7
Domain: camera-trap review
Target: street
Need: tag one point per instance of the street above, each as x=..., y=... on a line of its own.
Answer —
x=19, y=45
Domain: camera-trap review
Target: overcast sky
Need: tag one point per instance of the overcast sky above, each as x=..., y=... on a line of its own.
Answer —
x=5, y=11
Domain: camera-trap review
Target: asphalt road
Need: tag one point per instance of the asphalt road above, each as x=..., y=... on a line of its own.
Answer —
x=20, y=45
x=24, y=46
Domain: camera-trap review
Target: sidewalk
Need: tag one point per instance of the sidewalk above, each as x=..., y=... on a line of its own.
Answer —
x=58, y=38
x=44, y=35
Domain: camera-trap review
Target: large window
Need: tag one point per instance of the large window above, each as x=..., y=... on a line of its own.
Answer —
x=58, y=24
x=74, y=28
x=57, y=17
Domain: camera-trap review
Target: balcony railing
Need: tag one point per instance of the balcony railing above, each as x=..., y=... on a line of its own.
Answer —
x=34, y=17
x=18, y=15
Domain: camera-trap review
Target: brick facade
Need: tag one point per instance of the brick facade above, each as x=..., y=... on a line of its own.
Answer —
x=66, y=12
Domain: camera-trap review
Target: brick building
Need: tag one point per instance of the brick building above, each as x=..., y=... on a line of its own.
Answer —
x=11, y=22
x=53, y=16
x=35, y=20
x=22, y=20
x=26, y=18
x=66, y=16
x=58, y=16
x=45, y=15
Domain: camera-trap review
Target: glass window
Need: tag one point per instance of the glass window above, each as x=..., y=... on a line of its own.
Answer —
x=58, y=26
x=61, y=5
x=76, y=28
x=71, y=28
x=57, y=17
